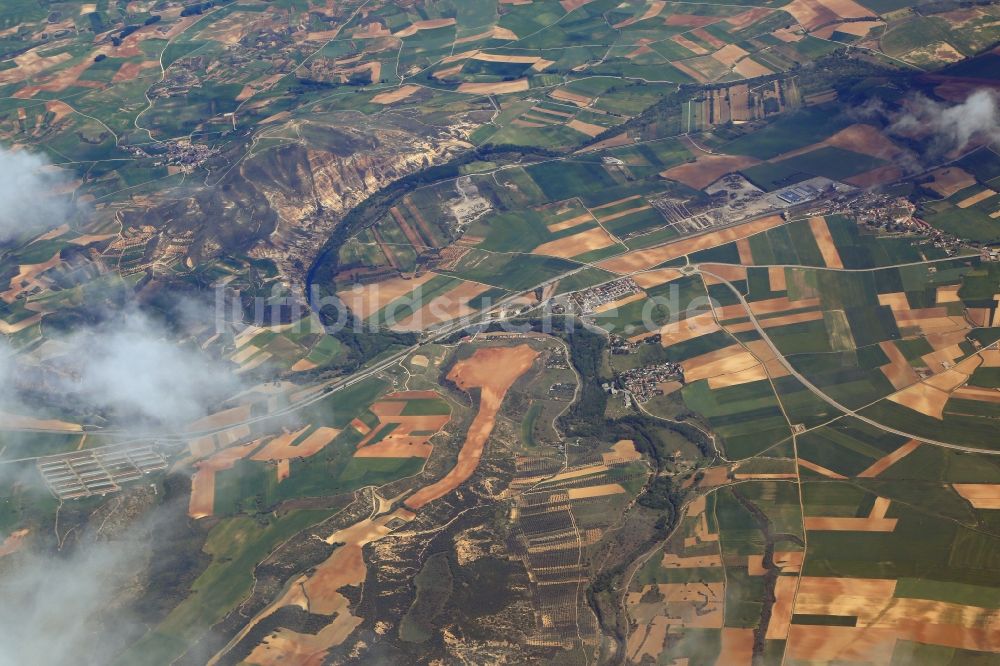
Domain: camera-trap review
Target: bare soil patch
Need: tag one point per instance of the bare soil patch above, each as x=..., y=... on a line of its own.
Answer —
x=975, y=198
x=750, y=69
x=202, y=502
x=719, y=362
x=729, y=54
x=493, y=370
x=417, y=26
x=602, y=490
x=980, y=495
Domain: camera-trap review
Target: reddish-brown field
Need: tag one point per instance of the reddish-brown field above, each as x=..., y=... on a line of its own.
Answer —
x=501, y=88
x=654, y=278
x=819, y=469
x=812, y=14
x=14, y=541
x=749, y=17
x=564, y=95
x=686, y=329
x=752, y=374
x=781, y=612
x=586, y=492
x=922, y=398
x=882, y=618
x=878, y=176
x=493, y=370
x=719, y=362
x=776, y=278
x=949, y=180
x=319, y=593
x=827, y=524
x=131, y=70
x=622, y=451
x=652, y=10
x=589, y=129
x=980, y=495
x=366, y=300
x=750, y=69
x=898, y=371
x=737, y=646
x=417, y=26
x=450, y=305
x=729, y=54
x=769, y=306
x=717, y=273
x=26, y=275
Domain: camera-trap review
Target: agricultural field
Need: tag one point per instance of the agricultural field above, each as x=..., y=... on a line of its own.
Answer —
x=961, y=201
x=499, y=331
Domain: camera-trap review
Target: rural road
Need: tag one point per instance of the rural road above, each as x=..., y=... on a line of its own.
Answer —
x=823, y=396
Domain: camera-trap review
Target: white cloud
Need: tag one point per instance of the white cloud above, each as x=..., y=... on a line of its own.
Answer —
x=131, y=366
x=951, y=127
x=52, y=605
x=29, y=189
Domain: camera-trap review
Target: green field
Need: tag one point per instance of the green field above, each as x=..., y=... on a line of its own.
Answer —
x=236, y=546
x=799, y=129
x=833, y=163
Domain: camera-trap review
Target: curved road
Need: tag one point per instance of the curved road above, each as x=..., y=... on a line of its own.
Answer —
x=696, y=268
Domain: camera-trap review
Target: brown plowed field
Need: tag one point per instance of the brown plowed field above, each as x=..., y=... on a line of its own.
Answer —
x=366, y=300
x=819, y=469
x=478, y=88
x=980, y=495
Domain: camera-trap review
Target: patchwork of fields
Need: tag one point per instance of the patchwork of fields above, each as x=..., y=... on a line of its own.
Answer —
x=500, y=331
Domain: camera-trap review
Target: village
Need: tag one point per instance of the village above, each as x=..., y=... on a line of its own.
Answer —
x=646, y=382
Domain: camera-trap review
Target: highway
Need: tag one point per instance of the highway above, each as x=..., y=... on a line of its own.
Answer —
x=325, y=388
x=826, y=398
x=332, y=386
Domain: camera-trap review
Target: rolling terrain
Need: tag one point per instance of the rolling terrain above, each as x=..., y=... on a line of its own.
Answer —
x=499, y=331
